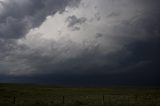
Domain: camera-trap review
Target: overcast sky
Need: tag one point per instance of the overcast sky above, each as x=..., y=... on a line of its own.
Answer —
x=96, y=42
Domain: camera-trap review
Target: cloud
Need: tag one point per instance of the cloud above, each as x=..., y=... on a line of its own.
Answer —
x=19, y=16
x=73, y=21
x=75, y=37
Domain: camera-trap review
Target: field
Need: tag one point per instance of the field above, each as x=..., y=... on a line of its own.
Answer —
x=30, y=95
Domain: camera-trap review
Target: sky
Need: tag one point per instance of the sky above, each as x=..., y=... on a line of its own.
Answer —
x=80, y=42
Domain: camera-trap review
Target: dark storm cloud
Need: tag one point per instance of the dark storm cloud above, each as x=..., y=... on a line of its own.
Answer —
x=89, y=58
x=18, y=16
x=145, y=20
x=64, y=61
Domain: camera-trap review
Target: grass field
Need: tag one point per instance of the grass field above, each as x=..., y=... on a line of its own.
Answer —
x=29, y=95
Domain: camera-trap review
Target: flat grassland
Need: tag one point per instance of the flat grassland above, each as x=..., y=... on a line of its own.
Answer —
x=30, y=95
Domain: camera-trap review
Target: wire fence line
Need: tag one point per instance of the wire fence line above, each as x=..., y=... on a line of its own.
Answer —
x=101, y=100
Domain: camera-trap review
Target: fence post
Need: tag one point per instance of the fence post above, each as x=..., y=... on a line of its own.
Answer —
x=103, y=100
x=14, y=100
x=136, y=98
x=62, y=100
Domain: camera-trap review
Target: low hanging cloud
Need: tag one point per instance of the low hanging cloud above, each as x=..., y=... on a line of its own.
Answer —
x=73, y=36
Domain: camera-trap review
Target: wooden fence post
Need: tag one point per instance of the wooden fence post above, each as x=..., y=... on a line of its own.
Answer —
x=14, y=100
x=136, y=98
x=62, y=100
x=103, y=100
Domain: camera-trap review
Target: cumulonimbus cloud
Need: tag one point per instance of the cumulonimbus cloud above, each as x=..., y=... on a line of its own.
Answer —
x=63, y=36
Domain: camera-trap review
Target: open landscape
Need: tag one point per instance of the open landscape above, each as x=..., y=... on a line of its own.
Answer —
x=36, y=95
x=79, y=52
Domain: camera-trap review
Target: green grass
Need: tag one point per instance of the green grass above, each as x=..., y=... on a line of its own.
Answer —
x=27, y=95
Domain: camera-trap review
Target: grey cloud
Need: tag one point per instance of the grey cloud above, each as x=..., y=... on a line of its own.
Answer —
x=140, y=27
x=98, y=16
x=98, y=35
x=60, y=57
x=25, y=61
x=76, y=28
x=113, y=14
x=13, y=28
x=66, y=56
x=73, y=21
x=19, y=16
